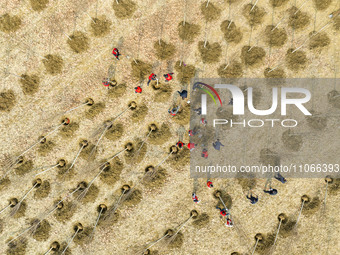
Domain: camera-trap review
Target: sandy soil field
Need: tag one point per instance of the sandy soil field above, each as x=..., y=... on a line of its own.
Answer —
x=54, y=56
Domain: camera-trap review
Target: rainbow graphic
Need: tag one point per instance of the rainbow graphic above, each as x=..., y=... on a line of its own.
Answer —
x=196, y=85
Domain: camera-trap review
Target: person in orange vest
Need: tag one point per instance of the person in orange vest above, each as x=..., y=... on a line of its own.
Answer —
x=152, y=77
x=116, y=53
x=210, y=184
x=195, y=198
x=138, y=89
x=168, y=77
x=180, y=144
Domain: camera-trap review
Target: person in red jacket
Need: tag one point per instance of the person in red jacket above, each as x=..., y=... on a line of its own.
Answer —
x=210, y=184
x=204, y=153
x=195, y=198
x=106, y=83
x=223, y=211
x=168, y=77
x=116, y=53
x=152, y=77
x=180, y=144
x=191, y=146
x=138, y=89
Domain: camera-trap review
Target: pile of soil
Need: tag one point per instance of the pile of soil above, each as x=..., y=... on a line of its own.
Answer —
x=160, y=135
x=133, y=198
x=247, y=183
x=266, y=243
x=278, y=3
x=85, y=153
x=155, y=178
x=184, y=73
x=322, y=4
x=292, y=141
x=115, y=132
x=297, y=60
x=210, y=12
x=17, y=247
x=43, y=190
x=132, y=157
x=67, y=131
x=84, y=236
x=90, y=196
x=183, y=115
x=277, y=37
x=163, y=93
x=269, y=157
x=62, y=248
x=316, y=122
x=53, y=64
x=232, y=34
x=117, y=91
x=45, y=148
x=30, y=83
x=4, y=183
x=139, y=113
x=233, y=70
x=202, y=221
x=79, y=42
x=9, y=23
x=163, y=50
x=111, y=173
x=334, y=98
x=226, y=198
x=255, y=16
x=252, y=57
x=100, y=27
x=311, y=207
x=277, y=73
x=63, y=176
x=21, y=211
x=319, y=40
x=124, y=9
x=39, y=5
x=298, y=19
x=176, y=241
x=188, y=32
x=211, y=53
x=94, y=110
x=334, y=187
x=7, y=100
x=42, y=232
x=66, y=212
x=109, y=219
x=287, y=227
x=140, y=70
x=336, y=23
x=24, y=168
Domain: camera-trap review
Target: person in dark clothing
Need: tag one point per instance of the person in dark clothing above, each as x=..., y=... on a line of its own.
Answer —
x=183, y=94
x=280, y=178
x=270, y=191
x=253, y=199
x=217, y=145
x=231, y=101
x=198, y=111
